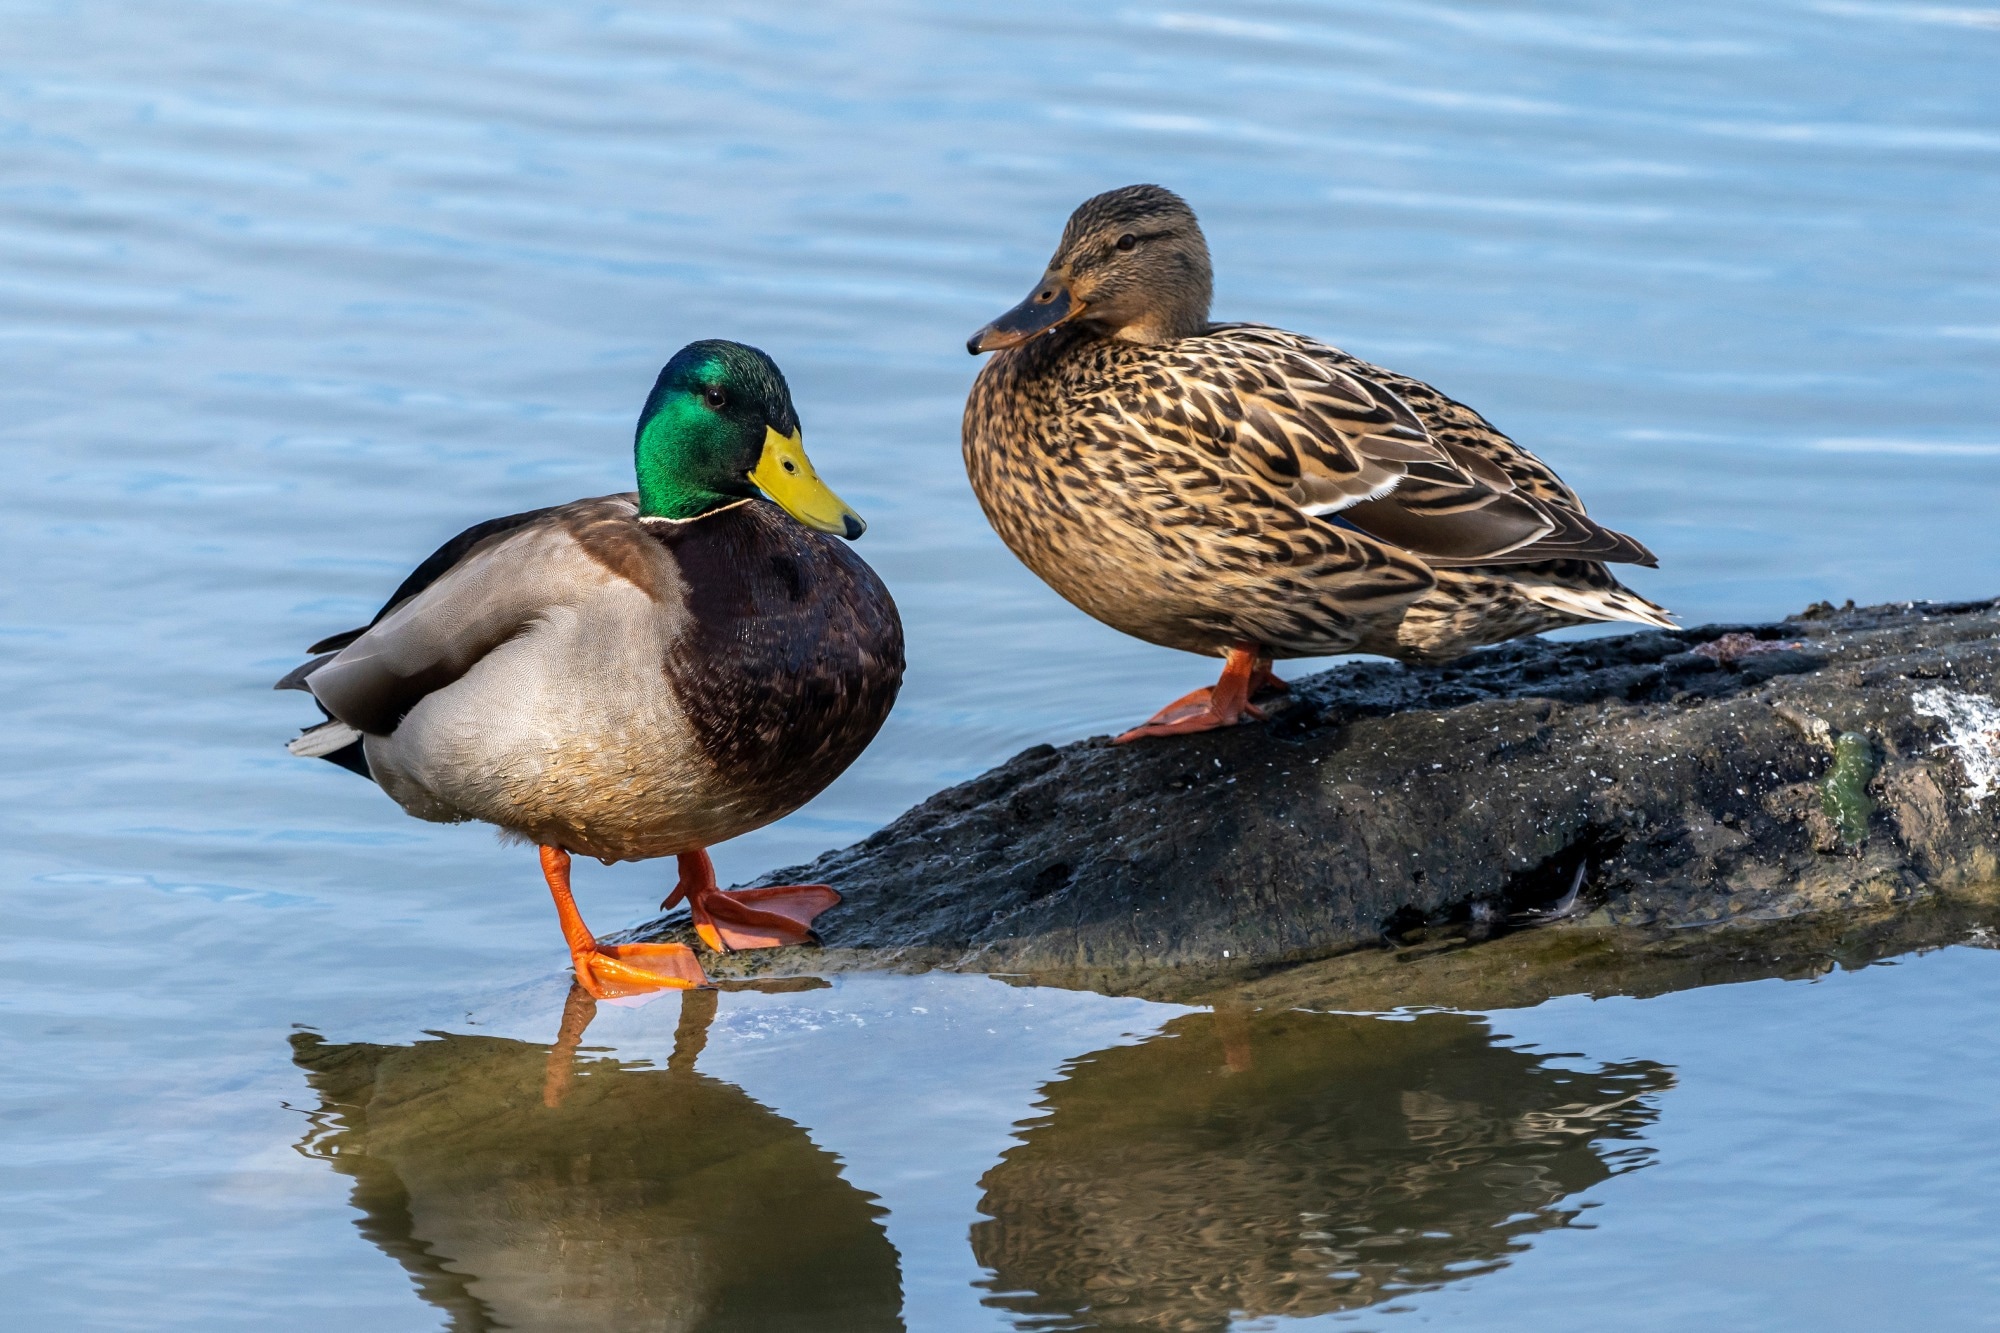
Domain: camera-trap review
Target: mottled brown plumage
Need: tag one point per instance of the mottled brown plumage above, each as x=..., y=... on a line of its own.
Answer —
x=1214, y=486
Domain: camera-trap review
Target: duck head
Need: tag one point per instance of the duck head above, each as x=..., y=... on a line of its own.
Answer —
x=719, y=427
x=1132, y=264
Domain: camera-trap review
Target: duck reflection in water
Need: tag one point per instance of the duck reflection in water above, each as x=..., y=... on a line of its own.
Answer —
x=538, y=1188
x=1244, y=1164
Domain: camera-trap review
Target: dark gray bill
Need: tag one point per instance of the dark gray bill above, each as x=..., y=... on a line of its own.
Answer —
x=1047, y=306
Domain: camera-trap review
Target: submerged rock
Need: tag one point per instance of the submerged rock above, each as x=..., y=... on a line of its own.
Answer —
x=1660, y=779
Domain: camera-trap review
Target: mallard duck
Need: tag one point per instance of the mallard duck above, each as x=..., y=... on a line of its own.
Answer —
x=635, y=675
x=1240, y=491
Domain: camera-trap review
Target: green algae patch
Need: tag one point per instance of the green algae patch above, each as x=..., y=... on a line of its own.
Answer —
x=1844, y=792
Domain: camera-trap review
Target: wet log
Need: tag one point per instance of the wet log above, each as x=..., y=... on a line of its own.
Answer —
x=1842, y=761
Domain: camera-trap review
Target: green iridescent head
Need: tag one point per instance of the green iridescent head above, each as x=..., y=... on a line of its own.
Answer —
x=718, y=427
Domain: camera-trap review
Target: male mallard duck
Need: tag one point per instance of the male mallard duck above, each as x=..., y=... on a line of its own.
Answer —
x=634, y=676
x=1237, y=490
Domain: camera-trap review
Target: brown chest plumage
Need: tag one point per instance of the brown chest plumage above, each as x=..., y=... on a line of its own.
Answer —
x=792, y=654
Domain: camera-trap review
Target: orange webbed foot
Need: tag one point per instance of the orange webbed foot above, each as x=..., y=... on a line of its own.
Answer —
x=634, y=969
x=608, y=971
x=1223, y=704
x=1191, y=713
x=766, y=918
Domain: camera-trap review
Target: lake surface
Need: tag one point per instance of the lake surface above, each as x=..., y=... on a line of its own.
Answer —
x=293, y=292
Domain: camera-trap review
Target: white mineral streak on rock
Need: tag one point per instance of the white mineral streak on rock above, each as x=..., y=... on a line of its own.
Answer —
x=1972, y=732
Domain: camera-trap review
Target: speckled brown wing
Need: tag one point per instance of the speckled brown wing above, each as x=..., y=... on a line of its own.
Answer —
x=1388, y=454
x=1269, y=402
x=1517, y=493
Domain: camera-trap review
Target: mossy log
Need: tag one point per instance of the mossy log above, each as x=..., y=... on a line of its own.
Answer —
x=1839, y=761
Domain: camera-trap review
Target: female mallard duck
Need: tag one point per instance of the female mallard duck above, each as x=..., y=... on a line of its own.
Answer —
x=1237, y=490
x=635, y=675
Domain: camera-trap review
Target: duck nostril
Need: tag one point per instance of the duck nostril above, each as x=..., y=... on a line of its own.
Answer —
x=1045, y=296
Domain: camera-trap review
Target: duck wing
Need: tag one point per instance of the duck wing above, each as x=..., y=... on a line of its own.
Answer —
x=475, y=593
x=1517, y=492
x=1374, y=451
x=434, y=567
x=1259, y=398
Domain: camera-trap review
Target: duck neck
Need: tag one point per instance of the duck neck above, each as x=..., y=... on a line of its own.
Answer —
x=1172, y=305
x=1166, y=325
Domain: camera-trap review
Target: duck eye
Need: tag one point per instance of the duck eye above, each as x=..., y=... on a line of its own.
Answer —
x=715, y=397
x=1128, y=242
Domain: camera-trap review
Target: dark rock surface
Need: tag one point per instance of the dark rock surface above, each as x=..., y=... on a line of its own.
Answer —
x=1723, y=774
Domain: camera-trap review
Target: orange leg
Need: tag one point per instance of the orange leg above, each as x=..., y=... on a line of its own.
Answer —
x=1223, y=704
x=610, y=970
x=747, y=918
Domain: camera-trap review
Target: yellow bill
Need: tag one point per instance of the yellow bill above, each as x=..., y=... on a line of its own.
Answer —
x=786, y=475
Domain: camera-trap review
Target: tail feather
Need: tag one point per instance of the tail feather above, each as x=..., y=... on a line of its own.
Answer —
x=335, y=742
x=1613, y=603
x=332, y=740
x=322, y=739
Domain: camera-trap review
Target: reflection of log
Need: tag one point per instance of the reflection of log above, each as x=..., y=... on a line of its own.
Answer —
x=1527, y=967
x=1294, y=1163
x=655, y=1199
x=1686, y=786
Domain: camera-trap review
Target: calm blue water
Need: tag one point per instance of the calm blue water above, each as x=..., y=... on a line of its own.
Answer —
x=292, y=292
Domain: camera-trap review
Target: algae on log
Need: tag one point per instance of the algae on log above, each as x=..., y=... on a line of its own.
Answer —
x=1683, y=775
x=1844, y=797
